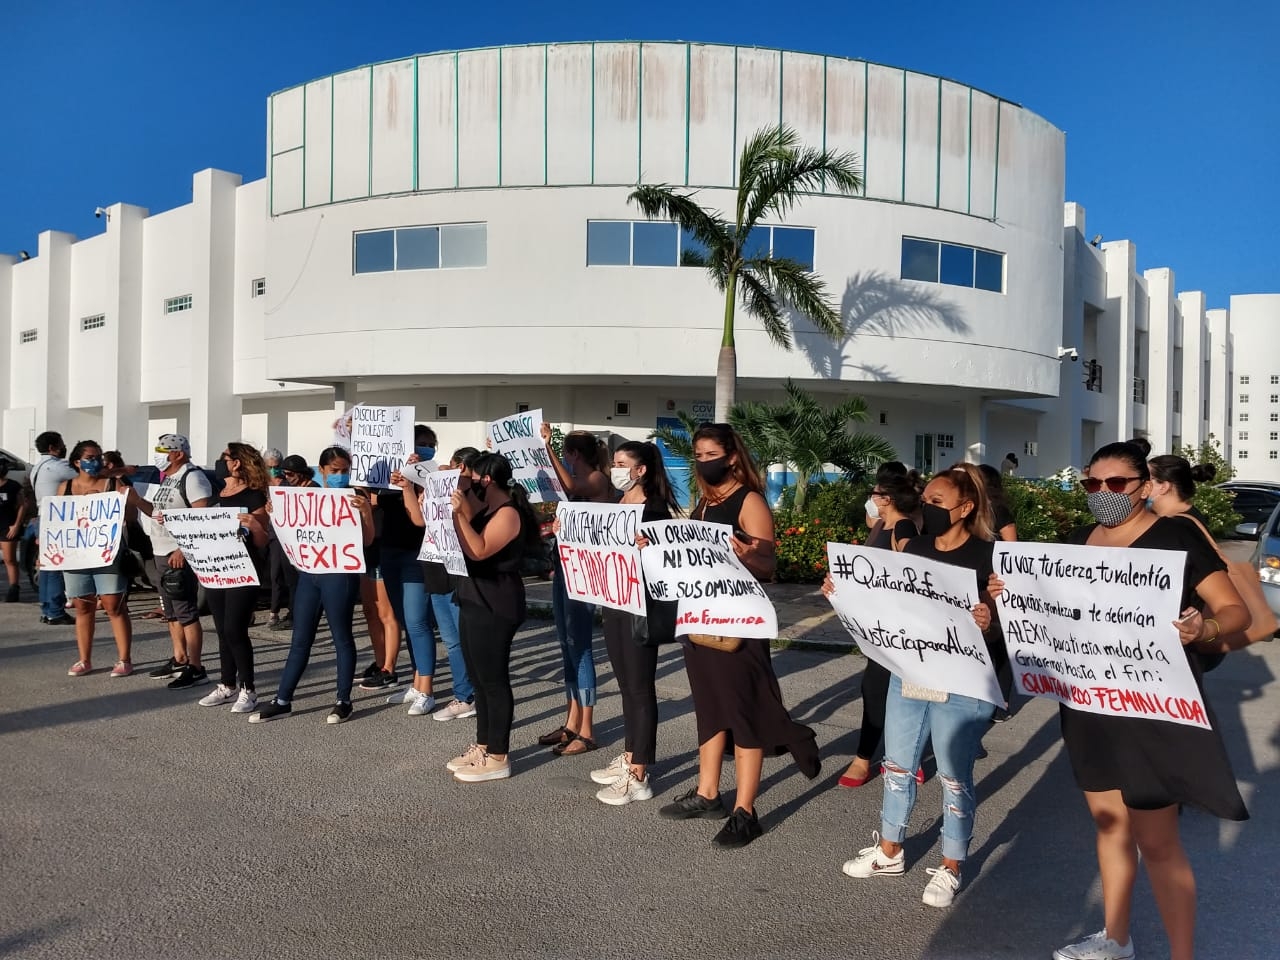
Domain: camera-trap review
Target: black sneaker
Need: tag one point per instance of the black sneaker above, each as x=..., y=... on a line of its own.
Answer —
x=741, y=829
x=372, y=670
x=1000, y=716
x=167, y=670
x=13, y=594
x=189, y=677
x=282, y=623
x=692, y=805
x=270, y=711
x=61, y=620
x=379, y=680
x=340, y=712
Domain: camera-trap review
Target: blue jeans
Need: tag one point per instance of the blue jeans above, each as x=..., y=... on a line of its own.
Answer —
x=402, y=574
x=446, y=613
x=53, y=595
x=334, y=594
x=574, y=625
x=956, y=727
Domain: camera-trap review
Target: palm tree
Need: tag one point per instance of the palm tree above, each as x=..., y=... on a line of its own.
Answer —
x=774, y=171
x=802, y=433
x=679, y=443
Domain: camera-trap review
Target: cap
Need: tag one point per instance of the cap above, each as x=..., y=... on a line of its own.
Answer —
x=296, y=464
x=173, y=443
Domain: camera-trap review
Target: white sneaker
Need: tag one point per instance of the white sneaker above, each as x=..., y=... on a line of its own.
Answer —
x=247, y=702
x=613, y=772
x=941, y=888
x=422, y=703
x=470, y=756
x=406, y=695
x=873, y=862
x=457, y=710
x=1096, y=946
x=487, y=767
x=625, y=789
x=221, y=694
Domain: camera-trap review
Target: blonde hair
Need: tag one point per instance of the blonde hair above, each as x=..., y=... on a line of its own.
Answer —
x=970, y=484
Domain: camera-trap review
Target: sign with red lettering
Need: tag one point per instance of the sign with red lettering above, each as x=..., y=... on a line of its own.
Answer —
x=81, y=532
x=212, y=543
x=319, y=530
x=599, y=559
x=1092, y=627
x=692, y=562
x=440, y=539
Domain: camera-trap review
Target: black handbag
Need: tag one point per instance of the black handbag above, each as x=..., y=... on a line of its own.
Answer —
x=175, y=583
x=658, y=626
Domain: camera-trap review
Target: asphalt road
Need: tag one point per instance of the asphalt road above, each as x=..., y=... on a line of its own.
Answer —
x=138, y=824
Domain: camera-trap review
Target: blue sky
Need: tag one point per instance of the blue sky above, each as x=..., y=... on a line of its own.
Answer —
x=1170, y=109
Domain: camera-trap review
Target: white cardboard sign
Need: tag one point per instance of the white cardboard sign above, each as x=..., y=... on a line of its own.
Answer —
x=210, y=542
x=440, y=542
x=599, y=559
x=381, y=441
x=81, y=532
x=518, y=438
x=319, y=530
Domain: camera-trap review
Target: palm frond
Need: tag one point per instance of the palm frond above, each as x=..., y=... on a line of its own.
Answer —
x=801, y=289
x=663, y=202
x=765, y=147
x=760, y=302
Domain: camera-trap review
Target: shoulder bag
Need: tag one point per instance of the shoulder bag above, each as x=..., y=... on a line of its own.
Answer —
x=1244, y=577
x=714, y=641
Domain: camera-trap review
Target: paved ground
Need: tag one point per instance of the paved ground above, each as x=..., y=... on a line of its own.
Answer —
x=137, y=824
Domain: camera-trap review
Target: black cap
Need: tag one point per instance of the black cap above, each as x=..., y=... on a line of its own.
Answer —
x=296, y=464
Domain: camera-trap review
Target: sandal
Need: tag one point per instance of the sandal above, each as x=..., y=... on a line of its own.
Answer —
x=556, y=736
x=570, y=748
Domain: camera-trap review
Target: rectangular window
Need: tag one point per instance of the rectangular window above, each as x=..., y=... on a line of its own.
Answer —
x=260, y=287
x=522, y=408
x=28, y=336
x=794, y=243
x=1244, y=380
x=1275, y=435
x=375, y=251
x=693, y=252
x=442, y=411
x=418, y=248
x=1274, y=455
x=1242, y=435
x=1242, y=418
x=1275, y=418
x=946, y=441
x=1177, y=401
x=1275, y=398
x=453, y=245
x=920, y=260
x=1244, y=398
x=988, y=271
x=177, y=304
x=655, y=245
x=96, y=322
x=932, y=261
x=622, y=408
x=608, y=243
x=649, y=243
x=1243, y=454
x=1275, y=379
x=464, y=245
x=1030, y=448
x=956, y=265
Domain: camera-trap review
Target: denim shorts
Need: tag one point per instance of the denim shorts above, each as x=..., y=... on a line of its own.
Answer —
x=91, y=583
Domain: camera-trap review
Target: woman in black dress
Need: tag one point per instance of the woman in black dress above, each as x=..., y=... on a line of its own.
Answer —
x=736, y=697
x=1136, y=773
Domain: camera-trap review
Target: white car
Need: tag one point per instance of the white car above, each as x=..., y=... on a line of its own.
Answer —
x=19, y=469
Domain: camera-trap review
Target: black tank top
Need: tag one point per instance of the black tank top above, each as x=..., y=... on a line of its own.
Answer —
x=495, y=582
x=727, y=510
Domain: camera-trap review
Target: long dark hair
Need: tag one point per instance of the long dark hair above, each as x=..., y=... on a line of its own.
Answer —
x=744, y=471
x=1181, y=474
x=253, y=471
x=590, y=448
x=464, y=455
x=78, y=450
x=903, y=489
x=498, y=469
x=656, y=486
x=330, y=454
x=1128, y=451
x=995, y=488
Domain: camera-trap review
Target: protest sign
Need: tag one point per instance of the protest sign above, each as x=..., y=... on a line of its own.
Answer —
x=440, y=541
x=81, y=532
x=342, y=428
x=691, y=562
x=319, y=530
x=598, y=554
x=912, y=615
x=418, y=471
x=518, y=438
x=210, y=542
x=1092, y=627
x=381, y=441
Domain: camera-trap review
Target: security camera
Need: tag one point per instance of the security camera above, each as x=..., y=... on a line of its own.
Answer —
x=98, y=212
x=1071, y=352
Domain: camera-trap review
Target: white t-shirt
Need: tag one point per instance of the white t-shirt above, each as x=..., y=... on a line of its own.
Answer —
x=167, y=495
x=48, y=476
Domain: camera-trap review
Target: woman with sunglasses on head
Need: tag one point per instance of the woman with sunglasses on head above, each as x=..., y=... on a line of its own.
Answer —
x=637, y=472
x=736, y=697
x=957, y=530
x=244, y=490
x=1137, y=773
x=334, y=595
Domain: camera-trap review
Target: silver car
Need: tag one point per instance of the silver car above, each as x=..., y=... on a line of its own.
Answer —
x=1266, y=555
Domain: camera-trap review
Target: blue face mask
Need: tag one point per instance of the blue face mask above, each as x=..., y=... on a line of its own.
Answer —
x=425, y=453
x=337, y=480
x=91, y=466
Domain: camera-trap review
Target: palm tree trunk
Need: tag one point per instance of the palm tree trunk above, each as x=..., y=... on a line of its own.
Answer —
x=727, y=364
x=802, y=489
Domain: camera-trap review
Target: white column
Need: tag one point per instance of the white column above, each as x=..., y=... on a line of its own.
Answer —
x=975, y=430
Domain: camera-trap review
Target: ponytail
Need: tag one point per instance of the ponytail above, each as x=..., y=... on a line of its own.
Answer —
x=970, y=484
x=656, y=486
x=592, y=450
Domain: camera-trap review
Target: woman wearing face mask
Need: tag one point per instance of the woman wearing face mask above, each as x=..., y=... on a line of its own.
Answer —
x=495, y=526
x=736, y=697
x=637, y=472
x=957, y=530
x=294, y=472
x=1137, y=773
x=894, y=502
x=334, y=595
x=271, y=459
x=107, y=584
x=582, y=473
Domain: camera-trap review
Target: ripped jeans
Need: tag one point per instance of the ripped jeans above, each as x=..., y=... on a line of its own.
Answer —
x=956, y=727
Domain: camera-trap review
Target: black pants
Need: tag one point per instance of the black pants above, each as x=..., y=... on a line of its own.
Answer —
x=232, y=612
x=284, y=577
x=875, y=694
x=486, y=648
x=635, y=666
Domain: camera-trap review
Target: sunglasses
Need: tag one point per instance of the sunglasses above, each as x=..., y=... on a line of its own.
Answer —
x=879, y=493
x=1114, y=484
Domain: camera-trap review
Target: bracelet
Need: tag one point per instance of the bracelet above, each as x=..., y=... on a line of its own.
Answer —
x=1216, y=630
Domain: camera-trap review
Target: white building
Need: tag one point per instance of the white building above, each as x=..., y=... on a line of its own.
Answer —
x=451, y=231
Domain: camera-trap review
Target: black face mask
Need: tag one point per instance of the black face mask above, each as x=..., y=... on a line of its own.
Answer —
x=714, y=471
x=937, y=520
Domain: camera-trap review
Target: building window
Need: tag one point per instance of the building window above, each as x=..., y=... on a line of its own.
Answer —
x=1243, y=435
x=1274, y=455
x=1275, y=418
x=1275, y=435
x=444, y=247
x=884, y=417
x=1275, y=398
x=946, y=441
x=622, y=408
x=1244, y=398
x=1030, y=449
x=1242, y=417
x=96, y=322
x=1244, y=379
x=932, y=261
x=522, y=408
x=1177, y=401
x=442, y=411
x=1243, y=455
x=177, y=304
x=259, y=287
x=1275, y=379
x=28, y=336
x=648, y=243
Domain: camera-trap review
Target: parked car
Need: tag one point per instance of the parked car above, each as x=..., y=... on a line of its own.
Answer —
x=1266, y=556
x=19, y=469
x=1255, y=502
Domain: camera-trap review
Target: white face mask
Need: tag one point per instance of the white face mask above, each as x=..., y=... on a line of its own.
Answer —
x=873, y=511
x=162, y=462
x=621, y=478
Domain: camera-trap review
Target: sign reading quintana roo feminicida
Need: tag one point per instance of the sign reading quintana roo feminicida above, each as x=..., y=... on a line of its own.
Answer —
x=692, y=562
x=1092, y=627
x=519, y=439
x=598, y=555
x=319, y=530
x=913, y=616
x=210, y=542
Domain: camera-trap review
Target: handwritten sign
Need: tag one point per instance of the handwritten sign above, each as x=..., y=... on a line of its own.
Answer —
x=210, y=541
x=518, y=438
x=81, y=532
x=319, y=530
x=598, y=554
x=1091, y=627
x=912, y=616
x=419, y=470
x=381, y=441
x=691, y=562
x=440, y=541
x=342, y=428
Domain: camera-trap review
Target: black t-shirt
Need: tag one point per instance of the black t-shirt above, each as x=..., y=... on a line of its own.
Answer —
x=10, y=503
x=1003, y=517
x=246, y=501
x=398, y=532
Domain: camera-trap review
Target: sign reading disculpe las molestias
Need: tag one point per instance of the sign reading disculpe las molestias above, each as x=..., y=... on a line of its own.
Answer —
x=380, y=441
x=81, y=532
x=1092, y=627
x=211, y=544
x=599, y=559
x=518, y=438
x=319, y=530
x=913, y=616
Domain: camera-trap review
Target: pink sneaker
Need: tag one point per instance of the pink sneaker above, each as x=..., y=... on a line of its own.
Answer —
x=79, y=669
x=123, y=668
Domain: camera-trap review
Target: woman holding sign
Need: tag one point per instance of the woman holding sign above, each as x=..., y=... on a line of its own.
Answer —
x=736, y=696
x=105, y=584
x=1136, y=773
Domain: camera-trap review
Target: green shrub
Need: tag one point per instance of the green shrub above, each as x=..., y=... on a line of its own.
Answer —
x=1043, y=511
x=834, y=512
x=1218, y=508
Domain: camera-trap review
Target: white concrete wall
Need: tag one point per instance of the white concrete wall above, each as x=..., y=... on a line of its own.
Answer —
x=1255, y=353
